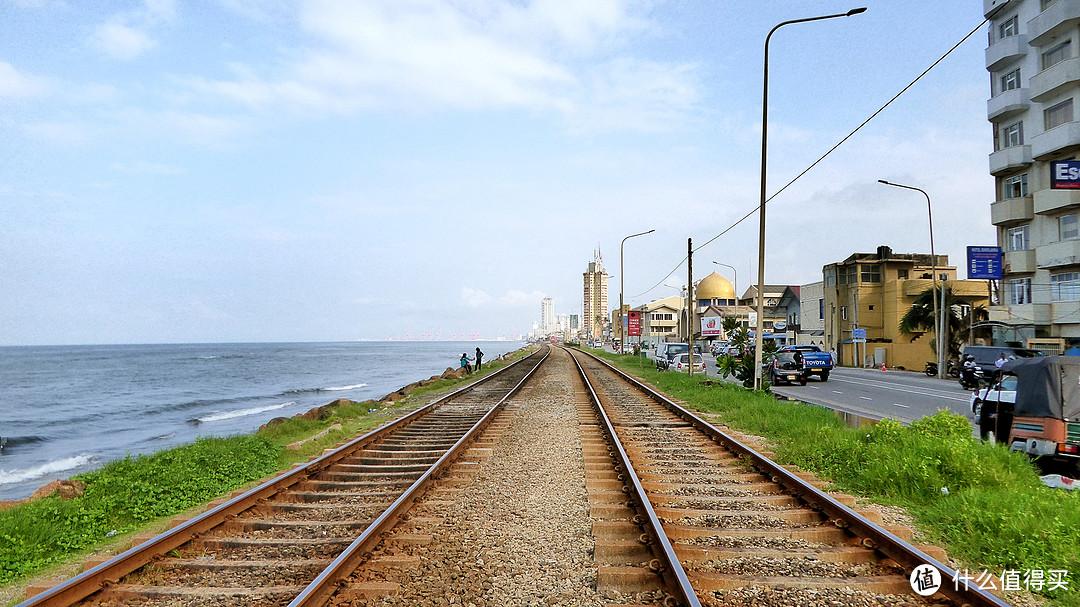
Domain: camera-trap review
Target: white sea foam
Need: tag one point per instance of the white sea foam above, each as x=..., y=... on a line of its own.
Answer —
x=17, y=476
x=242, y=412
x=340, y=388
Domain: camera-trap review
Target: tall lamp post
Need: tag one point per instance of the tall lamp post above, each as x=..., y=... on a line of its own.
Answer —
x=938, y=320
x=761, y=207
x=622, y=281
x=735, y=285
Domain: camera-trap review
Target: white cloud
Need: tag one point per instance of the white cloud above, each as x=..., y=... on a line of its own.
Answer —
x=423, y=55
x=474, y=298
x=14, y=84
x=126, y=36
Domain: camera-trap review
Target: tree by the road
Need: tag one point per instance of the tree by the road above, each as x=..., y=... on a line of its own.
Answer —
x=960, y=313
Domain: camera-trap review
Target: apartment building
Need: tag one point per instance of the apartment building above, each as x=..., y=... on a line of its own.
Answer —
x=1033, y=56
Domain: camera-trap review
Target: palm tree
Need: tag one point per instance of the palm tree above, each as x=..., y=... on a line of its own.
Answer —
x=959, y=316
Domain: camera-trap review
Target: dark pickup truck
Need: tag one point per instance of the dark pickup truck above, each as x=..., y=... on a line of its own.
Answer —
x=815, y=361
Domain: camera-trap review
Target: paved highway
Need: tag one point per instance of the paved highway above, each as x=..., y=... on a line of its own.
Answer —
x=901, y=395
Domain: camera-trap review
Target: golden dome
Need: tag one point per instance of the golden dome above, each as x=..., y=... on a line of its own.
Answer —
x=714, y=286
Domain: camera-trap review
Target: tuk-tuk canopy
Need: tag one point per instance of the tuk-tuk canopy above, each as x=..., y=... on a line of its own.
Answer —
x=1046, y=386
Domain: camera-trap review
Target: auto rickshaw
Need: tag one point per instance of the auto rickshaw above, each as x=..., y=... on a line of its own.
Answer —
x=1042, y=417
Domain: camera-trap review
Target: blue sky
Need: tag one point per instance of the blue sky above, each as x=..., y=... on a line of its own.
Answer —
x=289, y=170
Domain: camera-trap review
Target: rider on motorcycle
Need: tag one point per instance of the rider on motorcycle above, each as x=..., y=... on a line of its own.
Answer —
x=971, y=373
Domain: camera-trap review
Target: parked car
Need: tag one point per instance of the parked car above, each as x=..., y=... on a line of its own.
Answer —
x=785, y=367
x=1040, y=414
x=682, y=363
x=666, y=352
x=815, y=361
x=986, y=356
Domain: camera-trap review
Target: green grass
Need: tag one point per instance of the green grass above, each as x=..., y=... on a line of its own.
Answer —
x=996, y=514
x=126, y=495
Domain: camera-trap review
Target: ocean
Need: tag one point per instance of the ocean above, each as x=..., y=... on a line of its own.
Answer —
x=70, y=409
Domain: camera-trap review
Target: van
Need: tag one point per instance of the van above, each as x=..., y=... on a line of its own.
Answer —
x=986, y=356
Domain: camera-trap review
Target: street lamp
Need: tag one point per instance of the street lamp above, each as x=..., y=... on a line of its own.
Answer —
x=622, y=280
x=761, y=207
x=736, y=284
x=938, y=321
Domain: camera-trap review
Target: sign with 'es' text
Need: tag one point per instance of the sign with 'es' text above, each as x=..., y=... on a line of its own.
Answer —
x=1065, y=175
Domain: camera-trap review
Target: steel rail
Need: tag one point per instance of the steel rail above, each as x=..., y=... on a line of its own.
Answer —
x=907, y=556
x=326, y=583
x=672, y=572
x=95, y=579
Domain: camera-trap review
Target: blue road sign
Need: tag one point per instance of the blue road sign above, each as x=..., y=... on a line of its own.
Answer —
x=984, y=263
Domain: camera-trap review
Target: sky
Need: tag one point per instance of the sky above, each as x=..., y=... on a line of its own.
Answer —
x=317, y=170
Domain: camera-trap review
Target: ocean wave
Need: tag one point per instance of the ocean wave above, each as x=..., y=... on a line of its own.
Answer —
x=68, y=463
x=214, y=417
x=340, y=388
x=10, y=442
x=329, y=389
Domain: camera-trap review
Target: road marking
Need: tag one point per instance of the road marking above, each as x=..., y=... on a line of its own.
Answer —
x=908, y=389
x=899, y=405
x=866, y=398
x=837, y=392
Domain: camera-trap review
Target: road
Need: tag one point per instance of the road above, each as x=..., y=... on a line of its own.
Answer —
x=902, y=395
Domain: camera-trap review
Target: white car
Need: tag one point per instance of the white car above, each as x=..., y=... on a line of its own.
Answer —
x=1003, y=391
x=682, y=363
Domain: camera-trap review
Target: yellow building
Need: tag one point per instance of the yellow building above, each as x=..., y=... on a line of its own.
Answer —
x=872, y=292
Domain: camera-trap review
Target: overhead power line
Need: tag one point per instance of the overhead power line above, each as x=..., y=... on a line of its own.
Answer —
x=822, y=157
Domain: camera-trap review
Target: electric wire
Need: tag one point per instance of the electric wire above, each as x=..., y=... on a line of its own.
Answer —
x=822, y=157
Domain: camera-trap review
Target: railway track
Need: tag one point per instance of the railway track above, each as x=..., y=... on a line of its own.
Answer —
x=727, y=526
x=289, y=540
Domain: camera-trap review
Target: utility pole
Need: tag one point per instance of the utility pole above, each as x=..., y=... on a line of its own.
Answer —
x=690, y=302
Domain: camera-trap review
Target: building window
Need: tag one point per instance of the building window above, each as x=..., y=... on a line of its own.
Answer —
x=821, y=309
x=1009, y=27
x=1056, y=55
x=848, y=275
x=902, y=274
x=1017, y=239
x=871, y=272
x=1065, y=286
x=1014, y=187
x=1068, y=227
x=1020, y=291
x=843, y=312
x=1013, y=134
x=1010, y=80
x=1059, y=114
x=830, y=277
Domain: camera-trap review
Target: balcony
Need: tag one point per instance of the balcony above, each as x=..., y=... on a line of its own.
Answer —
x=1066, y=312
x=1004, y=51
x=1056, y=20
x=1008, y=103
x=1057, y=254
x=989, y=6
x=1057, y=139
x=1019, y=262
x=1055, y=78
x=1009, y=159
x=1012, y=211
x=1049, y=201
x=1026, y=314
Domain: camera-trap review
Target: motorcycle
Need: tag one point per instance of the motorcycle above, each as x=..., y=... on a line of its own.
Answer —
x=931, y=369
x=972, y=378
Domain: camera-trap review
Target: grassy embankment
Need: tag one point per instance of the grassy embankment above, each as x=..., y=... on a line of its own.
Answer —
x=997, y=515
x=126, y=495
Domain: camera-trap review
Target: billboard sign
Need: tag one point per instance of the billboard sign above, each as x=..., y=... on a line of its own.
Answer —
x=984, y=263
x=710, y=326
x=633, y=320
x=1065, y=175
